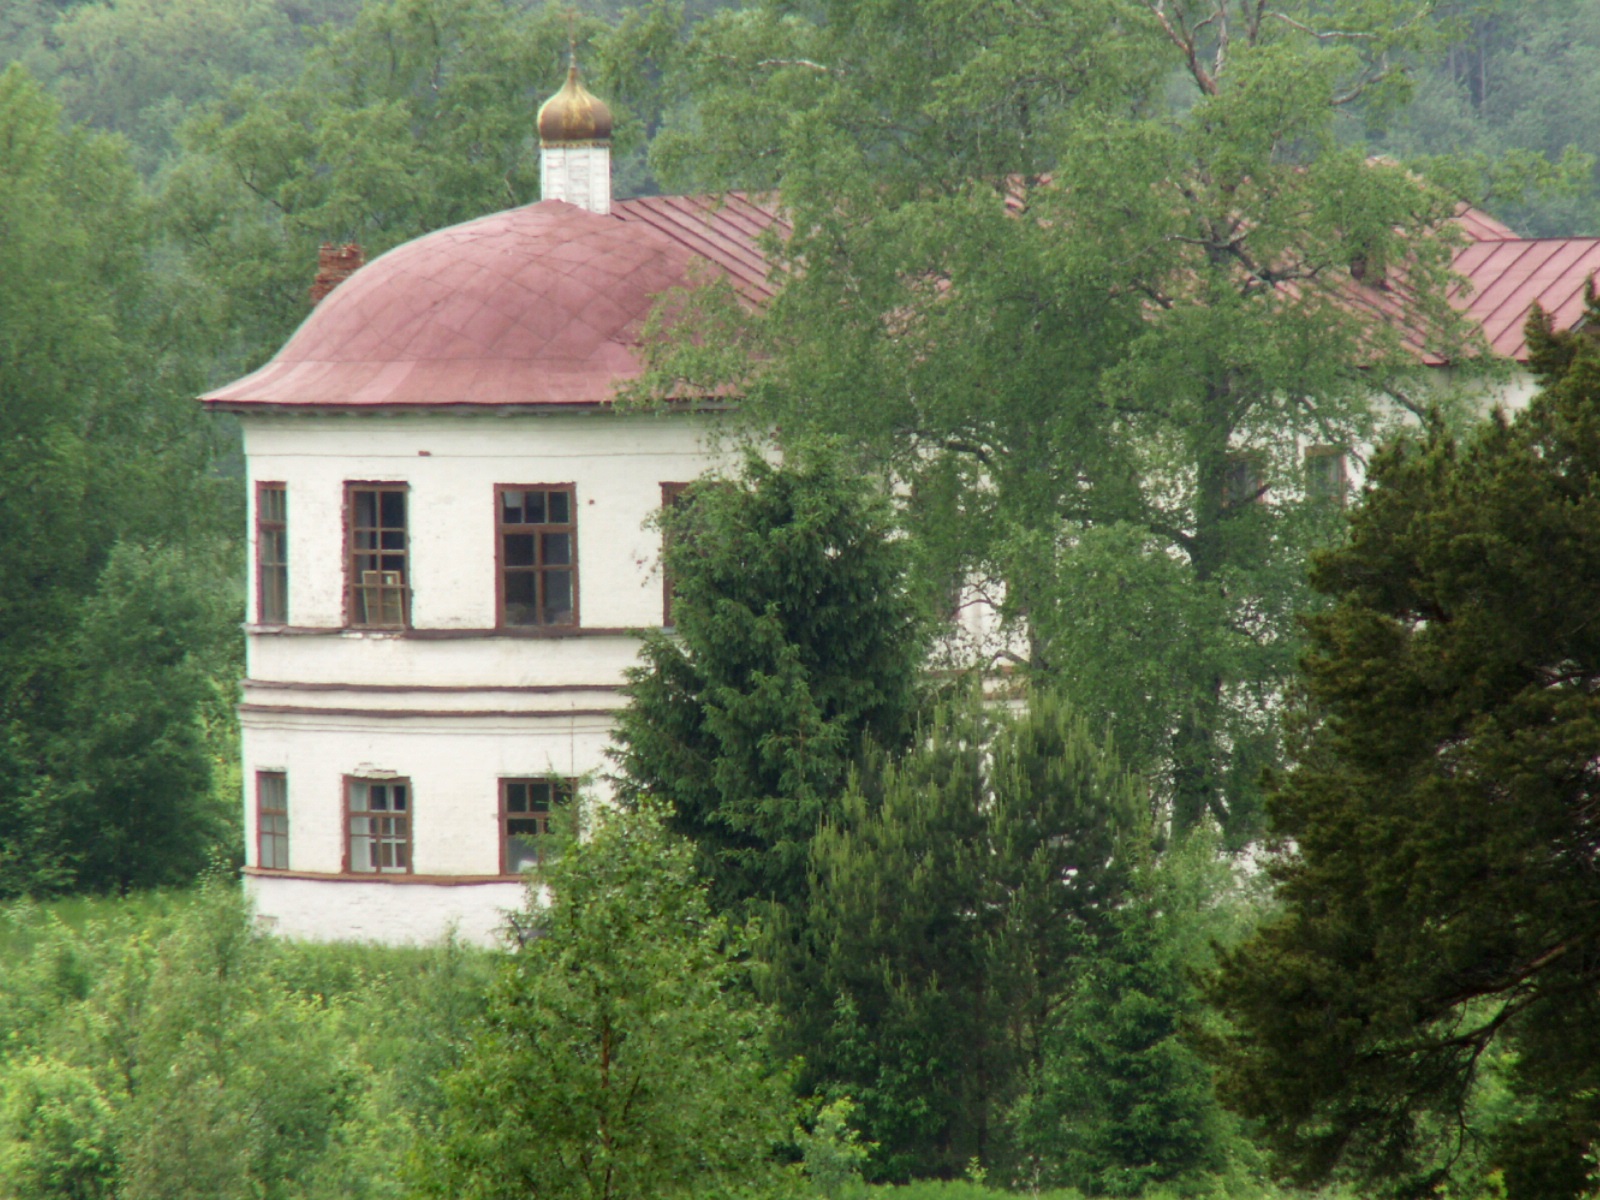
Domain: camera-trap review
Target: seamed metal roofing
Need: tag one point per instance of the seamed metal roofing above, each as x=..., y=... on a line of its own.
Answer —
x=532, y=307
x=1504, y=277
x=725, y=230
x=1481, y=227
x=543, y=306
x=1500, y=277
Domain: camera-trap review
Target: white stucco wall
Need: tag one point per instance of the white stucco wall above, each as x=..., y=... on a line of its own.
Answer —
x=451, y=466
x=393, y=913
x=579, y=175
x=452, y=705
x=454, y=766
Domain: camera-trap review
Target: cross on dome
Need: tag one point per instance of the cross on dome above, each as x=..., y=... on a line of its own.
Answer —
x=574, y=116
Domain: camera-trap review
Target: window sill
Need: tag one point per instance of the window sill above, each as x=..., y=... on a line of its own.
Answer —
x=532, y=633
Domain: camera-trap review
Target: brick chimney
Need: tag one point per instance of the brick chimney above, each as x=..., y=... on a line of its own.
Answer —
x=335, y=264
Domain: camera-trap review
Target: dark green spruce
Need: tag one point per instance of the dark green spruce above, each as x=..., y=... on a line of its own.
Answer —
x=795, y=641
x=1427, y=1004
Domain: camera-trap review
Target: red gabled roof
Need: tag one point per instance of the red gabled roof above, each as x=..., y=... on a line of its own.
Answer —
x=725, y=230
x=1500, y=277
x=1504, y=277
x=1481, y=227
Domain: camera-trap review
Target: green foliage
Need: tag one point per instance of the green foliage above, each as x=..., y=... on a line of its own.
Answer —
x=795, y=640
x=100, y=447
x=1435, y=865
x=1105, y=301
x=155, y=643
x=950, y=1189
x=1121, y=1101
x=1511, y=88
x=56, y=1140
x=831, y=1152
x=141, y=67
x=234, y=1088
x=162, y=1048
x=621, y=1056
x=952, y=901
x=416, y=115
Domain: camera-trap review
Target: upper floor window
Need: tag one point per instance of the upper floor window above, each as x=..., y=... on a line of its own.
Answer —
x=378, y=826
x=671, y=496
x=378, y=570
x=537, y=554
x=1327, y=474
x=1243, y=480
x=272, y=820
x=526, y=807
x=272, y=554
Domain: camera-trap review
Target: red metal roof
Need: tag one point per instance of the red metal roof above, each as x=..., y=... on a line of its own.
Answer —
x=539, y=305
x=1504, y=277
x=1500, y=277
x=724, y=229
x=1481, y=227
x=543, y=305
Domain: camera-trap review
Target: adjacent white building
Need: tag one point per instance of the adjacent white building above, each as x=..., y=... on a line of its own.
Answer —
x=452, y=552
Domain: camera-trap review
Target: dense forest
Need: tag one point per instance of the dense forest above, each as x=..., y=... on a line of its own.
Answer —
x=1295, y=894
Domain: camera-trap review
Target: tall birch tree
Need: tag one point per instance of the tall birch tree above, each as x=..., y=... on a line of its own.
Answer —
x=1091, y=280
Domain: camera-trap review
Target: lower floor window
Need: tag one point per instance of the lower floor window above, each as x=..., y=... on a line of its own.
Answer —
x=272, y=820
x=526, y=807
x=378, y=826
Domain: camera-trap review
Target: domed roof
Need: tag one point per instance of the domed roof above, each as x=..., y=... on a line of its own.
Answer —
x=540, y=305
x=574, y=115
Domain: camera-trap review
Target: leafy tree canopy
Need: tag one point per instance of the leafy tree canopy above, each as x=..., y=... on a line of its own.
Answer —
x=100, y=444
x=417, y=115
x=1438, y=832
x=621, y=1056
x=1090, y=313
x=1512, y=87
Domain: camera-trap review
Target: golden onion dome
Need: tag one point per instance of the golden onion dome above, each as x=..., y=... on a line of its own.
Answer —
x=574, y=115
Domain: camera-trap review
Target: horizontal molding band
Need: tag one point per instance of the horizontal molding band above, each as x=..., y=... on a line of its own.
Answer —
x=446, y=635
x=274, y=408
x=311, y=710
x=375, y=877
x=530, y=689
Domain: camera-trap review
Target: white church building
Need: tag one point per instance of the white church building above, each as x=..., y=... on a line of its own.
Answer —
x=451, y=551
x=451, y=555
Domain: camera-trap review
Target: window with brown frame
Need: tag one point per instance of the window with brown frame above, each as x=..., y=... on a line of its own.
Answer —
x=272, y=554
x=671, y=497
x=1327, y=474
x=537, y=554
x=378, y=567
x=272, y=820
x=378, y=826
x=526, y=807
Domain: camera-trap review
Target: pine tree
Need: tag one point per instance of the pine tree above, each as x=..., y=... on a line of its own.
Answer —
x=953, y=902
x=1439, y=832
x=1122, y=1100
x=795, y=640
